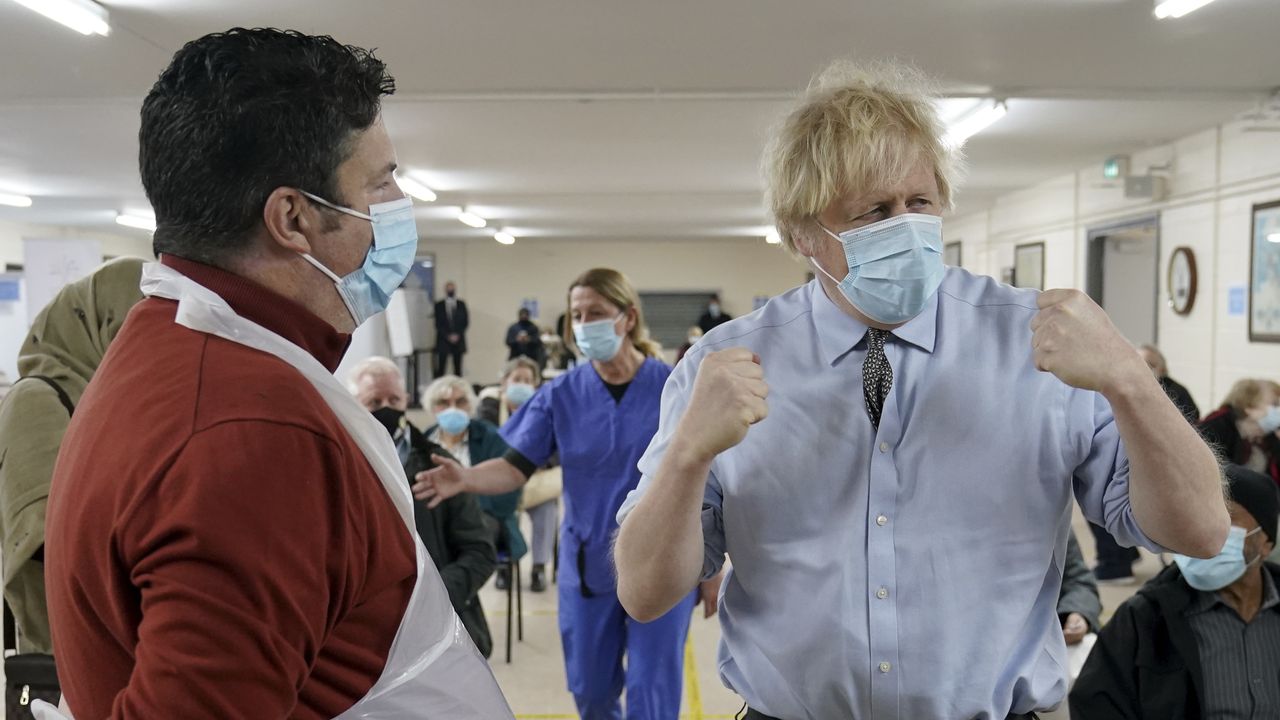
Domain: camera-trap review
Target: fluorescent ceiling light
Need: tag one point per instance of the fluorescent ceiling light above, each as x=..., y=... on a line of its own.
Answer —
x=83, y=16
x=1169, y=8
x=974, y=122
x=15, y=200
x=772, y=237
x=467, y=217
x=1274, y=237
x=416, y=189
x=140, y=222
x=504, y=237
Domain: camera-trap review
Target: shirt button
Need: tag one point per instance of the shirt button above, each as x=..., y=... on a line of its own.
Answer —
x=885, y=667
x=884, y=447
x=882, y=520
x=882, y=593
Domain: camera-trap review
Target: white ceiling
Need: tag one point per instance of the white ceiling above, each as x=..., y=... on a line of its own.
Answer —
x=606, y=119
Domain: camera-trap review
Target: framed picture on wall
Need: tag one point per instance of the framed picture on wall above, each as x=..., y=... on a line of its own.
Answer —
x=1264, y=274
x=1028, y=266
x=951, y=253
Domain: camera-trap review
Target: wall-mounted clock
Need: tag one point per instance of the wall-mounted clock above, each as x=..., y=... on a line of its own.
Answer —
x=1182, y=280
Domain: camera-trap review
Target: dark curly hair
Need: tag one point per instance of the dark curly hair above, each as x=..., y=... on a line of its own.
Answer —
x=237, y=115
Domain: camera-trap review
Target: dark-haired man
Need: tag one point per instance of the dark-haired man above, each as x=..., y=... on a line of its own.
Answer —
x=229, y=532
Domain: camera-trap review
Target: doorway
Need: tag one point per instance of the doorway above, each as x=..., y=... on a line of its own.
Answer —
x=1124, y=275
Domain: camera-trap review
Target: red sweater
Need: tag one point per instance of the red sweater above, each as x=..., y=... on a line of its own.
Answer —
x=218, y=546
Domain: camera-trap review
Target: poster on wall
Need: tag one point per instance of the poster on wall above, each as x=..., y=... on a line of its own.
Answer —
x=1264, y=274
x=49, y=264
x=1028, y=266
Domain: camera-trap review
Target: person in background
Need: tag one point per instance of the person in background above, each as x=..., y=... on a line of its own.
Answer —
x=1244, y=429
x=1176, y=392
x=714, y=315
x=695, y=333
x=599, y=417
x=452, y=321
x=472, y=441
x=892, y=516
x=454, y=532
x=524, y=339
x=62, y=351
x=1202, y=638
x=227, y=533
x=541, y=494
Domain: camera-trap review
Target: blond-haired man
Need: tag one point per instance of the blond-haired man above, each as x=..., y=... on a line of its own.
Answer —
x=898, y=522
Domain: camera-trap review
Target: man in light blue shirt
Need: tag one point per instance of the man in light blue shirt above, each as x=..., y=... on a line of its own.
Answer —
x=897, y=515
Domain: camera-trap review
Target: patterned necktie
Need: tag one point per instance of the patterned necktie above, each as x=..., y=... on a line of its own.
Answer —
x=877, y=374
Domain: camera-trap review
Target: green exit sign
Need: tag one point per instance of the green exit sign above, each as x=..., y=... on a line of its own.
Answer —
x=1116, y=167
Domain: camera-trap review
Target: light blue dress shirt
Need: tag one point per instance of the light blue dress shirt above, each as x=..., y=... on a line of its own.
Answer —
x=910, y=572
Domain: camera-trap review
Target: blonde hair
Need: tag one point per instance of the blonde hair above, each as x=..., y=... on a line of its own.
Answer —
x=617, y=289
x=375, y=366
x=856, y=128
x=1244, y=394
x=447, y=385
x=523, y=361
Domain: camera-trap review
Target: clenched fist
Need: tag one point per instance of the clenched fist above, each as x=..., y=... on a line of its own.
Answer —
x=1075, y=340
x=728, y=398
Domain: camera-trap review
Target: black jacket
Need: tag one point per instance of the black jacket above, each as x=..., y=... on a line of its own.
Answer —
x=444, y=328
x=1181, y=397
x=1220, y=431
x=458, y=541
x=1146, y=664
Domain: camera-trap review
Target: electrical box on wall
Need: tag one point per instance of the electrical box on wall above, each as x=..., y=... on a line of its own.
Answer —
x=1145, y=187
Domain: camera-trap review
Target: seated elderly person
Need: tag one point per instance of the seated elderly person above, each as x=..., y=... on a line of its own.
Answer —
x=454, y=533
x=1244, y=429
x=1202, y=638
x=472, y=441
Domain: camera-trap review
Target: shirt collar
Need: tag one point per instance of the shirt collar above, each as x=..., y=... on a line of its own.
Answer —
x=269, y=309
x=838, y=332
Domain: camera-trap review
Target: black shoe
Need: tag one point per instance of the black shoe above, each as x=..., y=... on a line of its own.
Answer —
x=503, y=579
x=538, y=581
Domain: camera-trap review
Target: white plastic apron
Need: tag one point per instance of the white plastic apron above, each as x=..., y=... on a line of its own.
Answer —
x=434, y=671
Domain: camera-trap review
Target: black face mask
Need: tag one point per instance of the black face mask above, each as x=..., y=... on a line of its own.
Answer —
x=390, y=418
x=451, y=293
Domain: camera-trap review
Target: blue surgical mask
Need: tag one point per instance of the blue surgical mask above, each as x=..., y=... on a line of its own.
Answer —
x=367, y=290
x=895, y=266
x=598, y=340
x=1219, y=571
x=453, y=421
x=1271, y=421
x=519, y=393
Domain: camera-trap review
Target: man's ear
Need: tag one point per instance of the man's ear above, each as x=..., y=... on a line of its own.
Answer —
x=289, y=218
x=803, y=236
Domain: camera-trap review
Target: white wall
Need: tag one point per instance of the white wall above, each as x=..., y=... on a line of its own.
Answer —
x=494, y=278
x=1214, y=176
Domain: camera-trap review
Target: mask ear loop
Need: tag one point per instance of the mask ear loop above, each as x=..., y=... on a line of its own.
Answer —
x=339, y=208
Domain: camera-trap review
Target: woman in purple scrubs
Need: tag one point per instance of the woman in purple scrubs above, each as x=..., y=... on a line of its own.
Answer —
x=600, y=417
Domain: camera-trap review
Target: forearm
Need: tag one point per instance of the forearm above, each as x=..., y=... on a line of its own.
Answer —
x=492, y=477
x=659, y=551
x=1175, y=483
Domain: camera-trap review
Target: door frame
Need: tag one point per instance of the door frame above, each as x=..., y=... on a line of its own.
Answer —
x=1096, y=253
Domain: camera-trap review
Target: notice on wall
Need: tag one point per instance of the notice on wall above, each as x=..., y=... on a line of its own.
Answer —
x=1236, y=300
x=530, y=304
x=50, y=264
